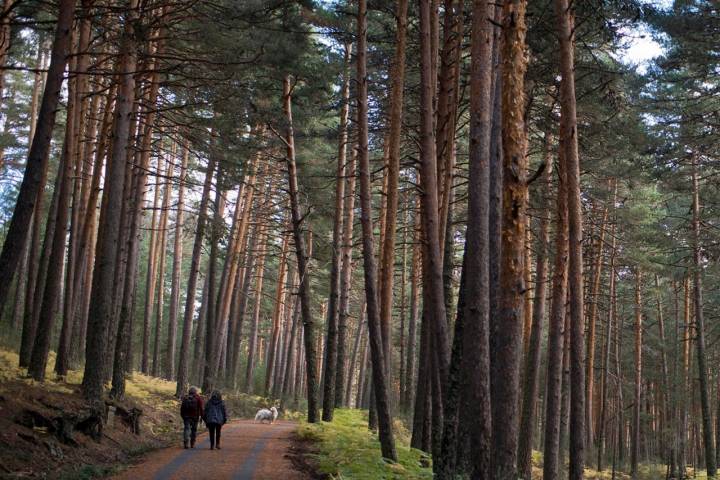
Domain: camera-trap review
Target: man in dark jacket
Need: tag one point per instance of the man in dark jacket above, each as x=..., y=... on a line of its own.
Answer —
x=191, y=411
x=215, y=417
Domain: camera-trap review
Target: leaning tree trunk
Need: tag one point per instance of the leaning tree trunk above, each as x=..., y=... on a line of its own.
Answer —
x=304, y=286
x=101, y=298
x=380, y=379
x=123, y=345
x=51, y=291
x=25, y=206
x=183, y=364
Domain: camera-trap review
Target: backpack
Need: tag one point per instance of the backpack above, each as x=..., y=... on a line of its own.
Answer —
x=189, y=405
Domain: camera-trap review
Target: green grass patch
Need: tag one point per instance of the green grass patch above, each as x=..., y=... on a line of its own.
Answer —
x=346, y=449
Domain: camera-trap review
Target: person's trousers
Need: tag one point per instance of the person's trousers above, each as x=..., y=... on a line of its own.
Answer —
x=190, y=430
x=214, y=429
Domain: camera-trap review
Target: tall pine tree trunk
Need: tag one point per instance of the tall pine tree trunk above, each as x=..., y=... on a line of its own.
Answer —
x=101, y=298
x=345, y=277
x=331, y=349
x=635, y=443
x=184, y=359
x=700, y=329
x=176, y=270
x=380, y=378
x=568, y=118
x=30, y=188
x=512, y=285
x=531, y=377
x=300, y=252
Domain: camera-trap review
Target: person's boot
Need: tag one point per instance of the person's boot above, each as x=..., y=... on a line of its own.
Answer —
x=192, y=443
x=185, y=444
x=217, y=447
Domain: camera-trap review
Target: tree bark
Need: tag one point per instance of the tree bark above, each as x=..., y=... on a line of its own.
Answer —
x=345, y=278
x=590, y=360
x=387, y=260
x=568, y=118
x=161, y=253
x=331, y=348
x=635, y=448
x=602, y=428
x=532, y=360
x=151, y=275
x=380, y=379
x=277, y=312
x=512, y=285
x=183, y=362
x=700, y=329
x=52, y=286
x=176, y=270
x=556, y=320
x=101, y=299
x=433, y=291
x=30, y=188
x=253, y=337
x=304, y=286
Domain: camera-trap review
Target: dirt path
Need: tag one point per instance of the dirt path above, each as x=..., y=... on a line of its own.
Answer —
x=250, y=451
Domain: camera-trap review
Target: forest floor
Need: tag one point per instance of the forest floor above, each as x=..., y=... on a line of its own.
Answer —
x=46, y=430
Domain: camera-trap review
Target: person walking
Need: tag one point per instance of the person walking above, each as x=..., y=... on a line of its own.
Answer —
x=215, y=418
x=191, y=411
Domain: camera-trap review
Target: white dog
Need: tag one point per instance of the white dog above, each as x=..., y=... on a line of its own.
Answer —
x=264, y=414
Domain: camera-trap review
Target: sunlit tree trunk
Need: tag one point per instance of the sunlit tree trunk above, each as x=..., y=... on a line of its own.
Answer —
x=512, y=286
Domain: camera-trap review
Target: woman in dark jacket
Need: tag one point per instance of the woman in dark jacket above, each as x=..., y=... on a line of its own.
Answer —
x=215, y=418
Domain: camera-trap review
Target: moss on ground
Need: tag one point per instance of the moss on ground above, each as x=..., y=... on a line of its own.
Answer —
x=346, y=449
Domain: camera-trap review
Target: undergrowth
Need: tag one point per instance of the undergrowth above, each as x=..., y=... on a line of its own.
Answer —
x=346, y=449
